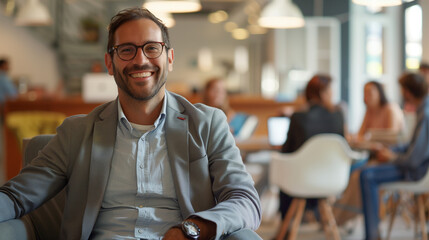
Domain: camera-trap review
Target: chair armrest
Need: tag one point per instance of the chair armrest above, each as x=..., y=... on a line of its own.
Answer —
x=17, y=229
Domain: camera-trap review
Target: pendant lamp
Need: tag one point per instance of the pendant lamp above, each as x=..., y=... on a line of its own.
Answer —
x=33, y=13
x=281, y=14
x=166, y=18
x=173, y=6
x=378, y=3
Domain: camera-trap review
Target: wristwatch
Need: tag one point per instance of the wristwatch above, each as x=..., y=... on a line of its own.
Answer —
x=190, y=229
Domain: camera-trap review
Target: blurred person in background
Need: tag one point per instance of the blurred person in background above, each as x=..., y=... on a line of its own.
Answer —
x=7, y=89
x=216, y=95
x=320, y=116
x=380, y=113
x=400, y=163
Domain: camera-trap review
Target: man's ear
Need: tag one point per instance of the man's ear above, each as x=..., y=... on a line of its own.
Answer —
x=108, y=61
x=170, y=59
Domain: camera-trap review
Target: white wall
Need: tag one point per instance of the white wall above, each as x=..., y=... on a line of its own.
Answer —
x=28, y=56
x=425, y=37
x=391, y=22
x=188, y=36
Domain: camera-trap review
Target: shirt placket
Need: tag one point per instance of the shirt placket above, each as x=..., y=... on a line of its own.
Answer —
x=143, y=177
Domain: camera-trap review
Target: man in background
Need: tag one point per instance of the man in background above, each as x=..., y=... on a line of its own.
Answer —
x=401, y=163
x=7, y=89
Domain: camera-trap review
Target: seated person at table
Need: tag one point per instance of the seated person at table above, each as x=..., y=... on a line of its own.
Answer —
x=321, y=116
x=380, y=114
x=402, y=163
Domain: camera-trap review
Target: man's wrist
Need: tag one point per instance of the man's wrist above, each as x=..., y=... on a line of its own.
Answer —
x=189, y=229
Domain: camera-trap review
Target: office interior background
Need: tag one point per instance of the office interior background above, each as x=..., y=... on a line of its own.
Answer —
x=351, y=42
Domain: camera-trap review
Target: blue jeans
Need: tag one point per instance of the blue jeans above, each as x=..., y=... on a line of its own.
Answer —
x=370, y=179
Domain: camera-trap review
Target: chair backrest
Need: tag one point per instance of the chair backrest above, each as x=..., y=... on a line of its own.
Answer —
x=46, y=219
x=319, y=168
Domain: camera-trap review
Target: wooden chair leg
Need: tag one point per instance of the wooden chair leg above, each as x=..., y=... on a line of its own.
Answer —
x=286, y=221
x=422, y=219
x=331, y=219
x=392, y=217
x=297, y=220
x=382, y=205
x=324, y=220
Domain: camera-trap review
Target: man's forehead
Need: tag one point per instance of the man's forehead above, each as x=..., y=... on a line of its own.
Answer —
x=142, y=29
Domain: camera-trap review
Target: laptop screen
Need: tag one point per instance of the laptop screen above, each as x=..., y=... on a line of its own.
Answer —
x=277, y=130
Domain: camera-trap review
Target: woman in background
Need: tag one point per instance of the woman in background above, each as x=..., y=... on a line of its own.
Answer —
x=380, y=114
x=215, y=95
x=320, y=116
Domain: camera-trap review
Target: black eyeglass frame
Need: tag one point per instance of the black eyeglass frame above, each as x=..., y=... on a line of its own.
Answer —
x=137, y=48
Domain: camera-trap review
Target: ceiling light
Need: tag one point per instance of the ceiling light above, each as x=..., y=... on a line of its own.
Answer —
x=256, y=29
x=378, y=3
x=173, y=6
x=166, y=18
x=218, y=16
x=33, y=13
x=240, y=33
x=230, y=26
x=281, y=14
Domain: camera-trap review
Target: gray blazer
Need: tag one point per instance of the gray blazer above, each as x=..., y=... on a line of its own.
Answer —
x=209, y=175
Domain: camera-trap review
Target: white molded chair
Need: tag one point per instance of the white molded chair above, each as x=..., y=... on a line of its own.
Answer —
x=318, y=169
x=418, y=189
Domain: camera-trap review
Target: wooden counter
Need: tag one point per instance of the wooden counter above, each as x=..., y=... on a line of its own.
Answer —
x=262, y=108
x=68, y=106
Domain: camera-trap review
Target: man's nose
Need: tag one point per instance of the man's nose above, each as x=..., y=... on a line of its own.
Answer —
x=140, y=57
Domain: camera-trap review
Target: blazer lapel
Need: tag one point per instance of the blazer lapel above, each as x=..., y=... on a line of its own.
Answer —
x=104, y=136
x=176, y=130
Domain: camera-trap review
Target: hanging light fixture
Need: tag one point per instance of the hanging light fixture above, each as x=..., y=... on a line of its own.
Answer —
x=173, y=6
x=166, y=18
x=378, y=3
x=33, y=13
x=281, y=14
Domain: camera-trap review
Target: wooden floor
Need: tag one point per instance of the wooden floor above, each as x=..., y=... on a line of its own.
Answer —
x=313, y=231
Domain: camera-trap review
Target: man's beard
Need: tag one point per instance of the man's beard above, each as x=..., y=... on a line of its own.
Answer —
x=123, y=82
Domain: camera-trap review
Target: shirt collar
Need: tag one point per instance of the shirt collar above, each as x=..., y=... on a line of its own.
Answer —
x=124, y=121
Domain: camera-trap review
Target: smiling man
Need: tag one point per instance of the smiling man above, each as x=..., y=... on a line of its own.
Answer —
x=149, y=165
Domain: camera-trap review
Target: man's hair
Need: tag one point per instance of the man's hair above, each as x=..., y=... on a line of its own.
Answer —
x=414, y=83
x=424, y=66
x=3, y=61
x=130, y=14
x=317, y=84
x=380, y=90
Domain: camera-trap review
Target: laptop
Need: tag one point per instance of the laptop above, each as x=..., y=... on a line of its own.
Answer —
x=277, y=130
x=243, y=125
x=98, y=88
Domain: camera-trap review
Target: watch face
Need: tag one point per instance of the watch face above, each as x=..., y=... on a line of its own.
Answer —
x=191, y=229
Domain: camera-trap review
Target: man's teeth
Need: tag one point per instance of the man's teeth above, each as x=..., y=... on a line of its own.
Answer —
x=143, y=74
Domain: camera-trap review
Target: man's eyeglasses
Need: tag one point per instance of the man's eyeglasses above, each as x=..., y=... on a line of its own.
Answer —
x=128, y=51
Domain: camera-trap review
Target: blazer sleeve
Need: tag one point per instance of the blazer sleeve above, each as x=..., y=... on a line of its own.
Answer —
x=238, y=204
x=38, y=182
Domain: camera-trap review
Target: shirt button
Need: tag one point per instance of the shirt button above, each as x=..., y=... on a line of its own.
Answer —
x=141, y=166
x=140, y=231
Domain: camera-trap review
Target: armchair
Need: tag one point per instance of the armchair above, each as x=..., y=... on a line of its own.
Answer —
x=44, y=222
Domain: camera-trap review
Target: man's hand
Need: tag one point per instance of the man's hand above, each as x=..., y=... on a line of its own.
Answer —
x=207, y=230
x=174, y=233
